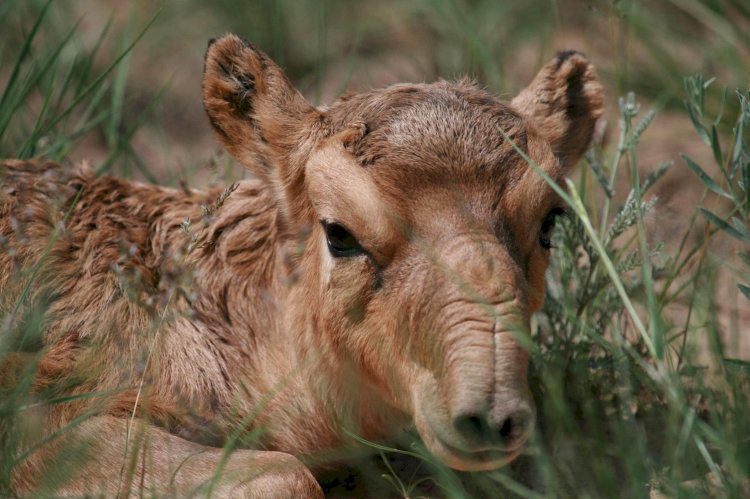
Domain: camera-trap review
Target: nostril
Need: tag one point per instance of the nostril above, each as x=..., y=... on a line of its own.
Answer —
x=515, y=428
x=506, y=430
x=480, y=430
x=471, y=427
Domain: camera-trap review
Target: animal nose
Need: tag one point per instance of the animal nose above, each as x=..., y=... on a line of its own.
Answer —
x=507, y=429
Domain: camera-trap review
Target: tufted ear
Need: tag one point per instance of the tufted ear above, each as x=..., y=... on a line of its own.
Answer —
x=564, y=100
x=262, y=120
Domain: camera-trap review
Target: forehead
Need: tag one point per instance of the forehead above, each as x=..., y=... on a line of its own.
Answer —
x=441, y=139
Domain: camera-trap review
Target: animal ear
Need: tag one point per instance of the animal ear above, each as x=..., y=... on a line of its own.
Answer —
x=565, y=101
x=262, y=120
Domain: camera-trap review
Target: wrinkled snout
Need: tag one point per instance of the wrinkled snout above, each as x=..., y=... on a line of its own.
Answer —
x=489, y=403
x=475, y=410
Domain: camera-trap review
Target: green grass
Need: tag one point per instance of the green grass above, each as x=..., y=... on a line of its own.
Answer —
x=633, y=374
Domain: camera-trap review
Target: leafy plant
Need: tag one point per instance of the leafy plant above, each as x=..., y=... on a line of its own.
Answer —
x=733, y=165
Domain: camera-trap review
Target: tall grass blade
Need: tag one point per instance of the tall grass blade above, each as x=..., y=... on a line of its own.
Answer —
x=93, y=85
x=23, y=53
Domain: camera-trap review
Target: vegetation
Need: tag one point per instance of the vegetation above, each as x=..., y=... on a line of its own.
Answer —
x=639, y=375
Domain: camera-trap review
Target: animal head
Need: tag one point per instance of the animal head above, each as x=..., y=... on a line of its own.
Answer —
x=426, y=233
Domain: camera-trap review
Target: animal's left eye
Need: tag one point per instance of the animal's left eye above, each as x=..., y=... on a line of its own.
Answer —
x=341, y=242
x=545, y=236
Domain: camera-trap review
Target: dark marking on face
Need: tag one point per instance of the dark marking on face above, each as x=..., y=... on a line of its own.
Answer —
x=576, y=102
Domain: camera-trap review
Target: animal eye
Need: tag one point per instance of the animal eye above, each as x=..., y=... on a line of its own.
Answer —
x=341, y=243
x=545, y=237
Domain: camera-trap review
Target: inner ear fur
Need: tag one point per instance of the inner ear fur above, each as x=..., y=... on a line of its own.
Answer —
x=564, y=100
x=261, y=119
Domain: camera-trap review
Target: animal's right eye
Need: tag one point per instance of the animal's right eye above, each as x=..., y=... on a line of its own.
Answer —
x=341, y=242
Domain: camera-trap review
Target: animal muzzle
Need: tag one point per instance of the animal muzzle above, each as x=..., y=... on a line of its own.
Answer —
x=488, y=399
x=473, y=409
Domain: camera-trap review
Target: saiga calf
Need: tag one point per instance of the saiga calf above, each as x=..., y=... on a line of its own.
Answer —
x=378, y=273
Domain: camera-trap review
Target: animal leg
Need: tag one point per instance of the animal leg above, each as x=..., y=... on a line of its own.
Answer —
x=157, y=463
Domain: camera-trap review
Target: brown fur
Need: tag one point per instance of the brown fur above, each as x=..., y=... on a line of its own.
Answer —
x=244, y=320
